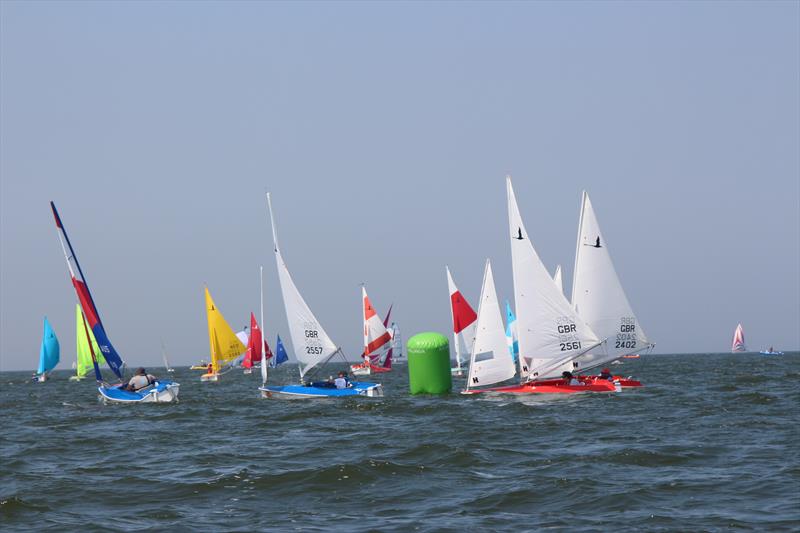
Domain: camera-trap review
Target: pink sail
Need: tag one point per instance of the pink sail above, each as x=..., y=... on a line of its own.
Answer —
x=738, y=340
x=254, y=345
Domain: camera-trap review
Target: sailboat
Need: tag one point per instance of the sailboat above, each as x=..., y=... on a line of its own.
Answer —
x=312, y=345
x=598, y=297
x=49, y=353
x=549, y=331
x=771, y=351
x=167, y=368
x=738, y=344
x=397, y=343
x=254, y=346
x=511, y=333
x=464, y=320
x=225, y=345
x=376, y=340
x=159, y=391
x=83, y=355
x=280, y=354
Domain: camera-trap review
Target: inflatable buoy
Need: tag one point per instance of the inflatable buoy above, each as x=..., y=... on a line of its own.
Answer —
x=429, y=364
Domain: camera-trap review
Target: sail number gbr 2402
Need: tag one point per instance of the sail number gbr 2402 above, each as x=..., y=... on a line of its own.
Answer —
x=626, y=337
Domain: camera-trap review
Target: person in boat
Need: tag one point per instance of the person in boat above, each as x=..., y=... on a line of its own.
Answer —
x=210, y=369
x=569, y=379
x=606, y=374
x=341, y=381
x=140, y=380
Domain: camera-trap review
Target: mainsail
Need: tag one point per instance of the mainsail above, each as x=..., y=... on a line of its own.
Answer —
x=511, y=333
x=557, y=278
x=84, y=354
x=224, y=344
x=113, y=359
x=254, y=344
x=489, y=361
x=312, y=345
x=376, y=336
x=280, y=353
x=549, y=331
x=49, y=353
x=598, y=297
x=738, y=340
x=464, y=321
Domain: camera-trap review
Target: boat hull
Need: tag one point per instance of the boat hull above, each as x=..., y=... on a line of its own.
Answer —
x=164, y=391
x=549, y=388
x=209, y=377
x=771, y=353
x=367, y=369
x=285, y=392
x=624, y=382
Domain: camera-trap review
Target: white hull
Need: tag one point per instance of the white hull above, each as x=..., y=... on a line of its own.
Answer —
x=209, y=377
x=77, y=378
x=358, y=370
x=168, y=395
x=248, y=371
x=458, y=372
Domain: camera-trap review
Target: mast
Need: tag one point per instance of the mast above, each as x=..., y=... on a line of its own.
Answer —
x=263, y=350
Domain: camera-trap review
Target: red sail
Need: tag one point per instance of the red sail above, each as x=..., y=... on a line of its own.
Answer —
x=254, y=345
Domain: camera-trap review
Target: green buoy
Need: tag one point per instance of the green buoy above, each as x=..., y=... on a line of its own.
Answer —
x=429, y=364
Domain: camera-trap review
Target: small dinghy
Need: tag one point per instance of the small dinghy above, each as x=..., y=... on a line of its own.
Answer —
x=313, y=347
x=771, y=351
x=464, y=321
x=90, y=318
x=738, y=344
x=377, y=339
x=225, y=346
x=49, y=353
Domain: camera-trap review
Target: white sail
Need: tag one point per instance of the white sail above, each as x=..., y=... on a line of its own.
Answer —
x=550, y=332
x=557, y=279
x=464, y=321
x=489, y=361
x=598, y=297
x=311, y=344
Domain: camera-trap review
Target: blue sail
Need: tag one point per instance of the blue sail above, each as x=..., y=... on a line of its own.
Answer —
x=50, y=351
x=511, y=333
x=280, y=353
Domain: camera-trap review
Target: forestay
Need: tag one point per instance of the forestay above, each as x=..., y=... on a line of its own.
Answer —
x=312, y=345
x=549, y=331
x=598, y=297
x=489, y=359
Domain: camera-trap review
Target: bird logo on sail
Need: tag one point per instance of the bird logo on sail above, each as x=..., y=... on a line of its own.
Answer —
x=519, y=234
x=596, y=243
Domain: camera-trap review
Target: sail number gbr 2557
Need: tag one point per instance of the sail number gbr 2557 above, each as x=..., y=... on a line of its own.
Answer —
x=312, y=335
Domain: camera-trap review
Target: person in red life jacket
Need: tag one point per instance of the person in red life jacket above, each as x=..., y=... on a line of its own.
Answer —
x=140, y=380
x=210, y=368
x=606, y=374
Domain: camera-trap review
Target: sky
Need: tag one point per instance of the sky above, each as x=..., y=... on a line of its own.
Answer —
x=384, y=131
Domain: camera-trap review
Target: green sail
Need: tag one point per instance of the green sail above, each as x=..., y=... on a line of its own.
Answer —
x=84, y=354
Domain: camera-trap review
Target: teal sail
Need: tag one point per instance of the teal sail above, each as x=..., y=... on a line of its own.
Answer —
x=511, y=333
x=50, y=351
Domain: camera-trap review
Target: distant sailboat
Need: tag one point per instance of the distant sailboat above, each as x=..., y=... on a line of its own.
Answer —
x=255, y=345
x=599, y=299
x=397, y=343
x=312, y=345
x=168, y=368
x=511, y=333
x=464, y=323
x=49, y=353
x=160, y=391
x=83, y=355
x=738, y=340
x=280, y=353
x=225, y=345
x=377, y=339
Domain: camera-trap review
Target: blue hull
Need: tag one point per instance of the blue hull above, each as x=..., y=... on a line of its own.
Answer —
x=302, y=391
x=163, y=391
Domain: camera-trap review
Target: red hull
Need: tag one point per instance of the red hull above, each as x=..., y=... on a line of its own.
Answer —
x=624, y=382
x=555, y=386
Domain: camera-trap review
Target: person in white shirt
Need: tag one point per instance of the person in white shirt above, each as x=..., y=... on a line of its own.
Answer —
x=569, y=379
x=341, y=381
x=140, y=380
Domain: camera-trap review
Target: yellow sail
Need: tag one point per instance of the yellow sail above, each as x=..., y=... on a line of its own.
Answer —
x=225, y=345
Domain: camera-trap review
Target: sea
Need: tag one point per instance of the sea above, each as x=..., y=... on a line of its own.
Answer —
x=711, y=442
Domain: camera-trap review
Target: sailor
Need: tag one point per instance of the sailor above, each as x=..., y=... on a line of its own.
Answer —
x=569, y=379
x=140, y=380
x=210, y=368
x=341, y=381
x=606, y=374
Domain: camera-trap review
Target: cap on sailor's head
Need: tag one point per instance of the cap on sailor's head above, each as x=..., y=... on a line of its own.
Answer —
x=606, y=371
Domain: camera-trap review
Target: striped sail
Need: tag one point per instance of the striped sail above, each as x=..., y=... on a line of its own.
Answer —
x=111, y=356
x=738, y=344
x=376, y=336
x=550, y=333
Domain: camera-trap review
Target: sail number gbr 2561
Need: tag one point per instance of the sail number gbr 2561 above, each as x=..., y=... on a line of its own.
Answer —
x=568, y=335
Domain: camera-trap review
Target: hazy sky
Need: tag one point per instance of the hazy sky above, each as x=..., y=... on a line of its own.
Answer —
x=384, y=131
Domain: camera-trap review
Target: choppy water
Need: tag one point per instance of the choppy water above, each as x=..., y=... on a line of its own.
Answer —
x=711, y=443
